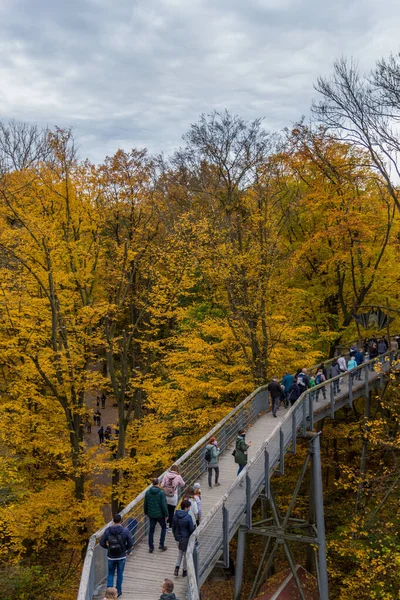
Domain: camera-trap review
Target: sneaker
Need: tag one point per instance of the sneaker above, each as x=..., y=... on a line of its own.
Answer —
x=184, y=573
x=151, y=550
x=176, y=572
x=275, y=416
x=162, y=548
x=218, y=484
x=210, y=487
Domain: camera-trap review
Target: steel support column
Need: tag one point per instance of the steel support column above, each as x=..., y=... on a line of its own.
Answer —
x=239, y=563
x=319, y=516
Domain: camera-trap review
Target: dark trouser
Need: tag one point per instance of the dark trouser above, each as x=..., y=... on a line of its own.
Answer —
x=171, y=511
x=358, y=374
x=210, y=470
x=323, y=393
x=275, y=404
x=119, y=566
x=336, y=388
x=241, y=467
x=163, y=525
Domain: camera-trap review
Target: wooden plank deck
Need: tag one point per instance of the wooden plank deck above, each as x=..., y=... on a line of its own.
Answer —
x=145, y=572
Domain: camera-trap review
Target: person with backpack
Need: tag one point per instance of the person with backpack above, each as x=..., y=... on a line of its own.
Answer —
x=182, y=528
x=212, y=457
x=303, y=381
x=117, y=540
x=240, y=452
x=320, y=378
x=170, y=484
x=156, y=508
x=294, y=393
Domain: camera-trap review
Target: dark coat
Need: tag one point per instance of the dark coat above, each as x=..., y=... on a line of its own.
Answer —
x=182, y=525
x=274, y=389
x=170, y=596
x=294, y=393
x=117, y=530
x=240, y=451
x=155, y=503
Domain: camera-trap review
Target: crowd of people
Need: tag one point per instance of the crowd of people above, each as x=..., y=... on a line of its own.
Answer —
x=178, y=510
x=291, y=387
x=175, y=509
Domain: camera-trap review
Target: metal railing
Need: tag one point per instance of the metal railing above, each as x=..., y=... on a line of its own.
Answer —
x=192, y=464
x=211, y=538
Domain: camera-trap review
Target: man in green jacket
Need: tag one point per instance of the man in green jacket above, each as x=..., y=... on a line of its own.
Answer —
x=241, y=450
x=155, y=507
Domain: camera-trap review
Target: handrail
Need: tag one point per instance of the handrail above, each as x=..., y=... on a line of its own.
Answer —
x=299, y=408
x=247, y=411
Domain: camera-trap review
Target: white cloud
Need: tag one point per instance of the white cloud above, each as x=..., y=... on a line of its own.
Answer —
x=135, y=73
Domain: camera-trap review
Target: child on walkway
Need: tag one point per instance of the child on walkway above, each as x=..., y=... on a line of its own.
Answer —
x=197, y=497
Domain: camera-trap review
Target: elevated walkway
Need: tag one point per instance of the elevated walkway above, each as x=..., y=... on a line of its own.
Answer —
x=228, y=506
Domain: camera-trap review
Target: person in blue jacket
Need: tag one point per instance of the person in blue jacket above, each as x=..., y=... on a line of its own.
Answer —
x=118, y=542
x=182, y=528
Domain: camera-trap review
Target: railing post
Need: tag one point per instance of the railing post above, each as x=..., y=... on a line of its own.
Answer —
x=266, y=473
x=311, y=415
x=332, y=398
x=196, y=560
x=225, y=535
x=366, y=379
x=240, y=418
x=304, y=416
x=294, y=431
x=281, y=452
x=223, y=438
x=248, y=501
x=239, y=563
x=350, y=388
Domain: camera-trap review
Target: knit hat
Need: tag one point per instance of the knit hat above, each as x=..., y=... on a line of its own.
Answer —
x=196, y=486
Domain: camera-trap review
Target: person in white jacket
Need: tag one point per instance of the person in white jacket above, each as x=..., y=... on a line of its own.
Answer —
x=170, y=484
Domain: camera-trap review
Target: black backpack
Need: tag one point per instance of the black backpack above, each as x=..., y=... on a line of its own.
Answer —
x=116, y=546
x=208, y=455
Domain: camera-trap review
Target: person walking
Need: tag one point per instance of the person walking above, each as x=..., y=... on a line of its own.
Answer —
x=320, y=378
x=287, y=381
x=359, y=358
x=170, y=484
x=294, y=393
x=275, y=390
x=167, y=590
x=103, y=400
x=212, y=459
x=117, y=540
x=352, y=364
x=382, y=346
x=194, y=507
x=156, y=508
x=100, y=433
x=182, y=528
x=335, y=371
x=303, y=380
x=197, y=497
x=241, y=450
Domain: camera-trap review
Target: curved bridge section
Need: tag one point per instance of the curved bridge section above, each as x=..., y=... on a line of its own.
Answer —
x=227, y=507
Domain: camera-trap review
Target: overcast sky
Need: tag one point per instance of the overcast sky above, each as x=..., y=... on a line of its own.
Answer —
x=136, y=73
